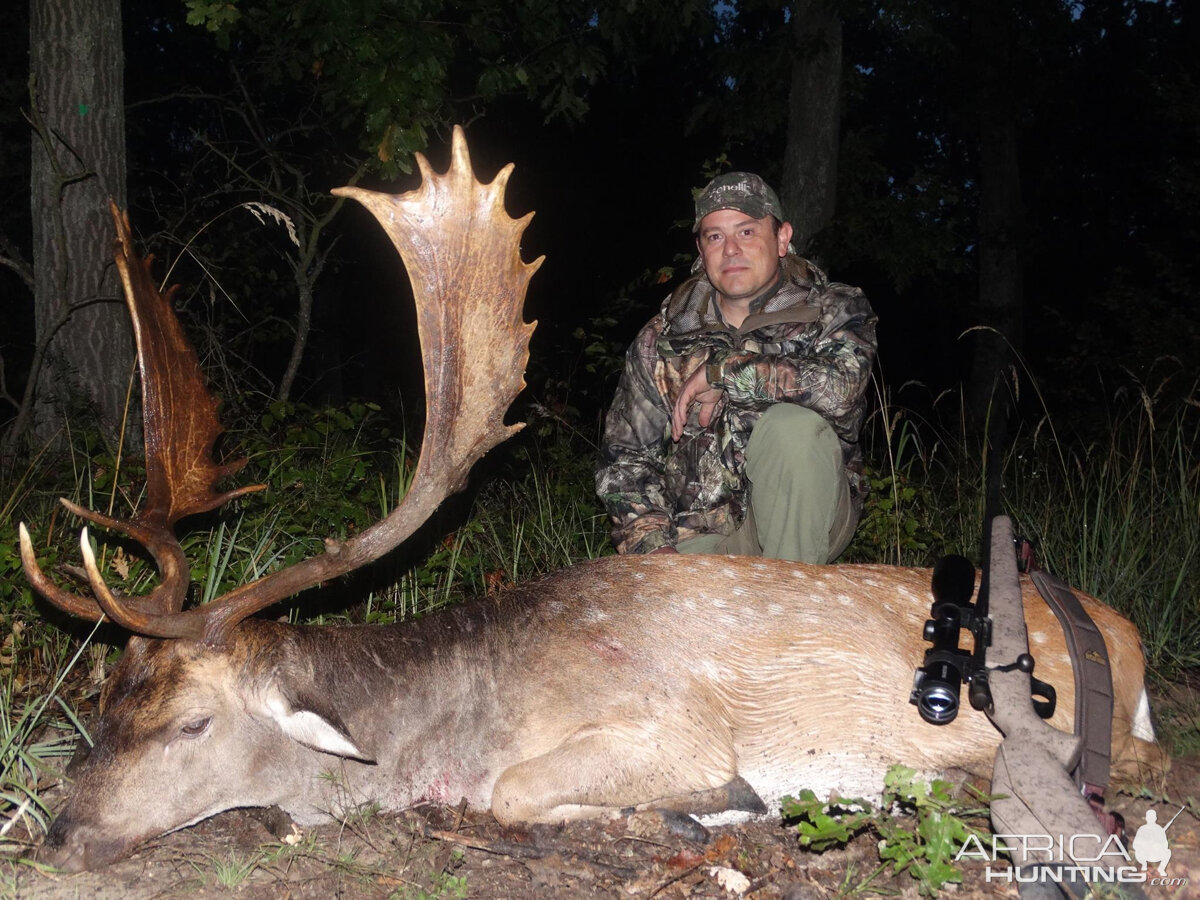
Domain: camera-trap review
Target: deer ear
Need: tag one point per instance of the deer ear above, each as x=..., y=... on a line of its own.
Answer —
x=308, y=721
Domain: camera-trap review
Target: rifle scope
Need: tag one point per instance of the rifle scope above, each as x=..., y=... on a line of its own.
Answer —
x=937, y=682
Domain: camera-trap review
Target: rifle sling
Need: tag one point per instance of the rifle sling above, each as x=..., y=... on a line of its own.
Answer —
x=1093, y=681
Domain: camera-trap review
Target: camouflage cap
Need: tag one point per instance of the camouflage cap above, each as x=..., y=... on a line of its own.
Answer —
x=743, y=191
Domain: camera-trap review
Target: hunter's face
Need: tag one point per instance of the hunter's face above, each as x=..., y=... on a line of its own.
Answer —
x=741, y=254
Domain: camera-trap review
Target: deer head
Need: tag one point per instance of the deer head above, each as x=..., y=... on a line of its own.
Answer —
x=463, y=255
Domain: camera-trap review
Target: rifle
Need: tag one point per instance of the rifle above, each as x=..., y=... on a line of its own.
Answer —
x=1034, y=791
x=946, y=666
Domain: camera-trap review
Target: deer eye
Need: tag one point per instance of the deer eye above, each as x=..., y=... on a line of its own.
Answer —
x=196, y=728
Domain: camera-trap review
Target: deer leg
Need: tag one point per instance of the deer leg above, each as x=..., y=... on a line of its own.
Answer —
x=604, y=772
x=674, y=814
x=733, y=794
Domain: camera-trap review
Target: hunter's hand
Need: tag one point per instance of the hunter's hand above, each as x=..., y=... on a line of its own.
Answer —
x=695, y=390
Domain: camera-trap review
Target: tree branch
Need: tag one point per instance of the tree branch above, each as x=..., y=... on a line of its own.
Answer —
x=11, y=258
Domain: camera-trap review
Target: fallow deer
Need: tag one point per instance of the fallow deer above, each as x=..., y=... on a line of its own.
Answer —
x=680, y=683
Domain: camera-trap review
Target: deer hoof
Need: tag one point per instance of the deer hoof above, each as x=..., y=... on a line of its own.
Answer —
x=654, y=823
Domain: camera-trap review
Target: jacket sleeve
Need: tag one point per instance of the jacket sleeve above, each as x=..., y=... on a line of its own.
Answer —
x=629, y=479
x=830, y=376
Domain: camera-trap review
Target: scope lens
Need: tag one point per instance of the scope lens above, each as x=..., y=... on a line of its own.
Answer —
x=938, y=703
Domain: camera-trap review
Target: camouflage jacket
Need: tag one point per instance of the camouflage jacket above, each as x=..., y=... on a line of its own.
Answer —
x=809, y=341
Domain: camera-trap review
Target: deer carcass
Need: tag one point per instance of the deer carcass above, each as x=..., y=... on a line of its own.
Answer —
x=678, y=683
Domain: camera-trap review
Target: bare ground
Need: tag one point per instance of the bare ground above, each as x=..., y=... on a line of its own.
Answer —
x=448, y=853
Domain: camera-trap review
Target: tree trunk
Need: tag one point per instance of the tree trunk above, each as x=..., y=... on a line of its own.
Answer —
x=306, y=271
x=809, y=185
x=84, y=339
x=304, y=317
x=1001, y=217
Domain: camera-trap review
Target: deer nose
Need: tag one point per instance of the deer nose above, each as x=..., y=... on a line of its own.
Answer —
x=80, y=847
x=65, y=851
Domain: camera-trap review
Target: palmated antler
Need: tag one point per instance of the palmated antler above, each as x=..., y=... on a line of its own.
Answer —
x=180, y=426
x=462, y=251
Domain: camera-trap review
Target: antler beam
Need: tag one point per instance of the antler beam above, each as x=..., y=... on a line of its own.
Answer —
x=462, y=251
x=180, y=425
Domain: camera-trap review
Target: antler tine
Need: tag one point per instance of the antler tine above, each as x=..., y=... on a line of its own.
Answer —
x=180, y=425
x=462, y=251
x=139, y=618
x=83, y=607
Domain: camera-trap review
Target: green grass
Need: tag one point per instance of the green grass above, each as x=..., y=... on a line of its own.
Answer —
x=442, y=886
x=1116, y=515
x=38, y=729
x=1177, y=718
x=228, y=871
x=1121, y=519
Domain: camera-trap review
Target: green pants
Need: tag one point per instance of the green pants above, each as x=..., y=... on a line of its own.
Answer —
x=799, y=499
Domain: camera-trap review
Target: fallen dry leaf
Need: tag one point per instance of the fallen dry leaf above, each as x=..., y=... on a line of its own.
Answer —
x=733, y=881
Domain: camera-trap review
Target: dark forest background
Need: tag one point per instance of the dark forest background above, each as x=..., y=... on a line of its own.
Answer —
x=1029, y=167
